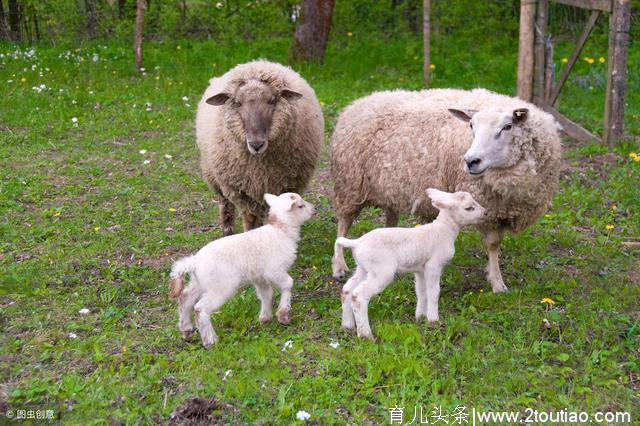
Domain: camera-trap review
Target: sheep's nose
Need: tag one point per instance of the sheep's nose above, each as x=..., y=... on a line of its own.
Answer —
x=256, y=145
x=472, y=162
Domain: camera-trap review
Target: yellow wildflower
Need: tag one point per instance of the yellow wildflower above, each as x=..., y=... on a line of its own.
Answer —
x=601, y=60
x=97, y=228
x=178, y=47
x=565, y=60
x=157, y=77
x=589, y=60
x=614, y=207
x=432, y=67
x=124, y=349
x=23, y=79
x=171, y=209
x=548, y=301
x=349, y=33
x=56, y=214
x=610, y=227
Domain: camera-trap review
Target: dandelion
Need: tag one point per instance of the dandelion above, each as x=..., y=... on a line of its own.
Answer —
x=609, y=227
x=168, y=157
x=614, y=207
x=548, y=301
x=303, y=415
x=56, y=214
x=171, y=209
x=634, y=156
x=565, y=60
x=142, y=151
x=73, y=335
x=589, y=60
x=287, y=345
x=432, y=67
x=83, y=311
x=334, y=345
x=178, y=47
x=349, y=34
x=23, y=79
x=321, y=103
x=157, y=77
x=97, y=228
x=124, y=349
x=601, y=60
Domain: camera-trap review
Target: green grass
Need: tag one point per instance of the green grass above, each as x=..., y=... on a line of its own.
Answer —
x=84, y=223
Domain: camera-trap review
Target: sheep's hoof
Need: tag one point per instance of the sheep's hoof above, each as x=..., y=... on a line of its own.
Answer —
x=499, y=287
x=348, y=327
x=187, y=334
x=264, y=320
x=284, y=317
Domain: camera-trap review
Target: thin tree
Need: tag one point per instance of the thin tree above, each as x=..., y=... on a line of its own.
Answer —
x=426, y=32
x=312, y=30
x=4, y=28
x=141, y=6
x=90, y=10
x=14, y=20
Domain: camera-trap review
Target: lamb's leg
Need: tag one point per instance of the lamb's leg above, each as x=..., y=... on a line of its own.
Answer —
x=392, y=218
x=188, y=299
x=249, y=221
x=348, y=320
x=372, y=285
x=285, y=284
x=265, y=294
x=492, y=240
x=432, y=274
x=421, y=295
x=338, y=264
x=227, y=215
x=208, y=304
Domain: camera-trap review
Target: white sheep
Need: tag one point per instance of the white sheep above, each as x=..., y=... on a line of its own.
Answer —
x=260, y=129
x=388, y=146
x=261, y=257
x=423, y=251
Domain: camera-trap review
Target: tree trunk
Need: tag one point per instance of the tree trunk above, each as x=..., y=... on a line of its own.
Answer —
x=90, y=9
x=141, y=6
x=14, y=20
x=121, y=7
x=4, y=28
x=426, y=33
x=312, y=31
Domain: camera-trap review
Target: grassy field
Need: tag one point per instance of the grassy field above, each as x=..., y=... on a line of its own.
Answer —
x=100, y=191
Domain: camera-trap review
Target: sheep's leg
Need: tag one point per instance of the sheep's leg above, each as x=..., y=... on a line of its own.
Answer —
x=265, y=294
x=374, y=284
x=421, y=295
x=492, y=240
x=432, y=279
x=392, y=218
x=338, y=264
x=227, y=215
x=285, y=284
x=208, y=304
x=249, y=221
x=188, y=299
x=348, y=320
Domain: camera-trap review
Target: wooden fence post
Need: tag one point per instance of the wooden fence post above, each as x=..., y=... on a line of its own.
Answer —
x=426, y=30
x=619, y=24
x=141, y=6
x=525, y=49
x=539, y=52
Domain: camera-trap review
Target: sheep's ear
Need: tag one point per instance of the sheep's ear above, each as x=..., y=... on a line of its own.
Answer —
x=219, y=99
x=520, y=115
x=463, y=114
x=270, y=199
x=440, y=199
x=290, y=95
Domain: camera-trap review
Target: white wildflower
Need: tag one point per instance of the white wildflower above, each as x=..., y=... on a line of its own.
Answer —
x=184, y=98
x=95, y=57
x=142, y=151
x=303, y=415
x=168, y=157
x=226, y=374
x=334, y=345
x=83, y=311
x=287, y=345
x=74, y=120
x=146, y=162
x=73, y=335
x=219, y=5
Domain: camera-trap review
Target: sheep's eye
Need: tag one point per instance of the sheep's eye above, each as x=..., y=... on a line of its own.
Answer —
x=507, y=127
x=470, y=209
x=471, y=125
x=301, y=206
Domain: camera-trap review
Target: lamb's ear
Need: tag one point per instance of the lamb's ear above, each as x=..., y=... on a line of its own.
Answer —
x=219, y=99
x=520, y=115
x=439, y=199
x=293, y=201
x=270, y=199
x=290, y=95
x=463, y=114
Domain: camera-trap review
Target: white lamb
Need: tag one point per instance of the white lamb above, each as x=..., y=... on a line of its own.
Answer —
x=261, y=257
x=425, y=250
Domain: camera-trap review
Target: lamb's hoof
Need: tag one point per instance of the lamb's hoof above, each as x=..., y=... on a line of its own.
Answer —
x=370, y=337
x=339, y=273
x=348, y=327
x=187, y=334
x=499, y=287
x=284, y=317
x=264, y=320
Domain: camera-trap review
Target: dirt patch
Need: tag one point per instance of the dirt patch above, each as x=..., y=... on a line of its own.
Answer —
x=170, y=255
x=203, y=411
x=599, y=164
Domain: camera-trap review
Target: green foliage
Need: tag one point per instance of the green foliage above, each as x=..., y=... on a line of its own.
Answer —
x=85, y=223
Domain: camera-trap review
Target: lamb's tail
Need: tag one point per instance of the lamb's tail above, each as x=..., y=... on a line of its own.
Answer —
x=344, y=242
x=179, y=268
